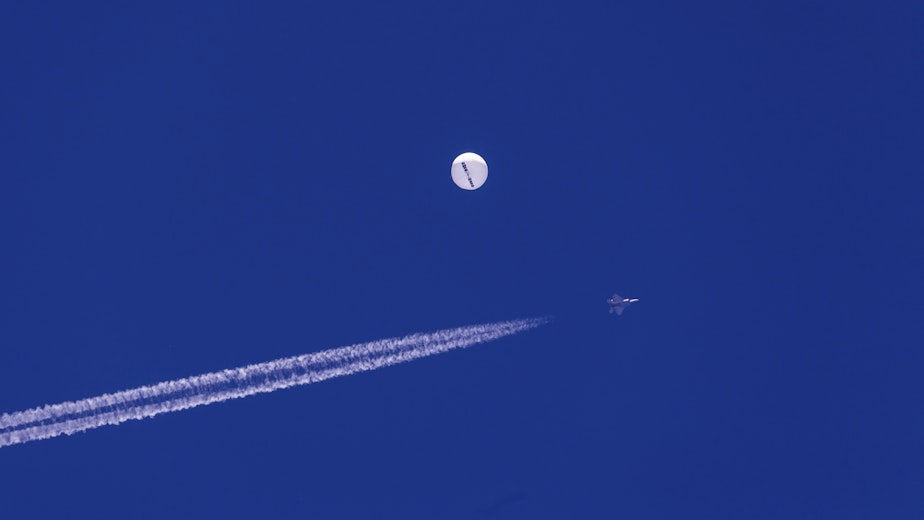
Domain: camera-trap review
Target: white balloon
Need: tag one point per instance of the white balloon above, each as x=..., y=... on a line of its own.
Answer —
x=469, y=171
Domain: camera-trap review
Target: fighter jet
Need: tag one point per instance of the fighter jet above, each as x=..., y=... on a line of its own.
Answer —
x=619, y=304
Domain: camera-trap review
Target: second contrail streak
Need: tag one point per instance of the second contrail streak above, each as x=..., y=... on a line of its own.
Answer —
x=180, y=394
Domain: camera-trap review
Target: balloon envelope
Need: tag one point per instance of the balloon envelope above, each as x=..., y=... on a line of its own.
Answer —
x=469, y=171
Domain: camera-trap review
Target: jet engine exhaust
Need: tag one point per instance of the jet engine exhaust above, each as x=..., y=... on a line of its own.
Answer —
x=71, y=417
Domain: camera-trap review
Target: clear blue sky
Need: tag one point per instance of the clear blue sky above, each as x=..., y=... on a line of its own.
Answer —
x=192, y=186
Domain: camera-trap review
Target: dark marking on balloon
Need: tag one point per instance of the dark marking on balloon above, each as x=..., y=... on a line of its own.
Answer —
x=468, y=175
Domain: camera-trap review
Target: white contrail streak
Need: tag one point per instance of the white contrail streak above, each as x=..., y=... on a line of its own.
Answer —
x=171, y=396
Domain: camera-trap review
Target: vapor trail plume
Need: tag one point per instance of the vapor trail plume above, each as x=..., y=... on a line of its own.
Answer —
x=171, y=396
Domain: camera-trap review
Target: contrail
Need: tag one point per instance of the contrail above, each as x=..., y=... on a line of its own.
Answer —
x=171, y=396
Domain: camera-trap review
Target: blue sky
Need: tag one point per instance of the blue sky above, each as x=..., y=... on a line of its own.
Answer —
x=195, y=186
